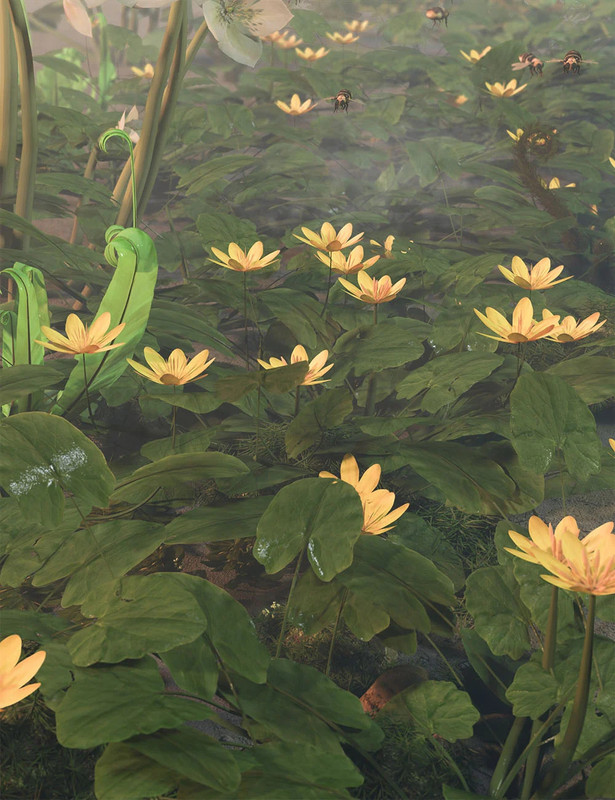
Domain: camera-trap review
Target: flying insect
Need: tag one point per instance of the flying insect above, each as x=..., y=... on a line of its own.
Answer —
x=531, y=61
x=438, y=14
x=342, y=100
x=572, y=61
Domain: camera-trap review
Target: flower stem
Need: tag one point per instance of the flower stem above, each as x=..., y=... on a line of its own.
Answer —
x=87, y=392
x=324, y=308
x=245, y=319
x=297, y=390
x=335, y=629
x=565, y=752
x=173, y=423
x=278, y=649
x=506, y=756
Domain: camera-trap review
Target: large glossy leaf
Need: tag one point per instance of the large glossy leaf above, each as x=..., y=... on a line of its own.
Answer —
x=25, y=379
x=176, y=470
x=194, y=668
x=492, y=597
x=122, y=773
x=549, y=420
x=128, y=299
x=110, y=704
x=153, y=613
x=592, y=377
x=436, y=708
x=215, y=523
x=300, y=314
x=45, y=457
x=324, y=516
x=447, y=377
x=98, y=555
x=601, y=781
x=317, y=417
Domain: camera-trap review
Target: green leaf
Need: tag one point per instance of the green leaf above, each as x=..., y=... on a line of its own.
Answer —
x=447, y=377
x=279, y=381
x=33, y=625
x=467, y=479
x=300, y=314
x=26, y=379
x=128, y=299
x=122, y=773
x=236, y=520
x=194, y=668
x=533, y=690
x=601, y=781
x=499, y=616
x=212, y=170
x=592, y=377
x=99, y=554
x=153, y=613
x=496, y=672
x=194, y=755
x=453, y=793
x=316, y=417
x=176, y=470
x=260, y=477
x=45, y=457
x=218, y=228
x=191, y=442
x=170, y=320
x=199, y=402
x=32, y=312
x=321, y=515
x=547, y=418
x=437, y=708
x=110, y=704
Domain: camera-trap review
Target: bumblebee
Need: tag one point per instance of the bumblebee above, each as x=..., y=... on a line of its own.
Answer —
x=572, y=61
x=342, y=100
x=531, y=61
x=438, y=14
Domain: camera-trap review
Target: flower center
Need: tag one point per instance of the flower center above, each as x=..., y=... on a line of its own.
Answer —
x=517, y=337
x=168, y=379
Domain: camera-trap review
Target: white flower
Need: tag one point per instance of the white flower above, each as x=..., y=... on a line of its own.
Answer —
x=133, y=114
x=237, y=25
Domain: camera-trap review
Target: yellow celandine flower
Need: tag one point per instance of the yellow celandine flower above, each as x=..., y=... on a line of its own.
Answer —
x=504, y=90
x=541, y=276
x=146, y=72
x=460, y=100
x=515, y=136
x=569, y=330
x=578, y=565
x=612, y=161
x=311, y=55
x=372, y=290
x=612, y=443
x=555, y=183
x=342, y=38
x=377, y=503
x=273, y=36
x=387, y=246
x=316, y=368
x=349, y=264
x=328, y=239
x=287, y=42
x=474, y=55
x=14, y=676
x=240, y=261
x=174, y=372
x=523, y=329
x=80, y=339
x=296, y=107
x=357, y=27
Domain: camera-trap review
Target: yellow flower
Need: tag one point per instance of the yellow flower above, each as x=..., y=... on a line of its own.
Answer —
x=240, y=261
x=387, y=246
x=146, y=72
x=174, y=372
x=612, y=161
x=342, y=38
x=523, y=329
x=14, y=676
x=296, y=107
x=515, y=136
x=316, y=367
x=328, y=239
x=80, y=339
x=612, y=443
x=555, y=183
x=460, y=100
x=349, y=264
x=475, y=55
x=311, y=55
x=579, y=565
x=508, y=90
x=377, y=503
x=372, y=290
x=357, y=27
x=273, y=36
x=569, y=330
x=541, y=276
x=286, y=42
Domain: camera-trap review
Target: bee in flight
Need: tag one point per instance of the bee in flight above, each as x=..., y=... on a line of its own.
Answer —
x=342, y=100
x=531, y=61
x=437, y=14
x=572, y=61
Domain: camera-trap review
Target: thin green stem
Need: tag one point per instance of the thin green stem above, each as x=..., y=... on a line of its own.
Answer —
x=297, y=398
x=173, y=423
x=445, y=659
x=335, y=629
x=245, y=319
x=565, y=752
x=87, y=391
x=290, y=595
x=451, y=761
x=506, y=756
x=375, y=313
x=324, y=308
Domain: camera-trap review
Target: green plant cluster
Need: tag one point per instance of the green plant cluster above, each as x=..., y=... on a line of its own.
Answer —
x=100, y=468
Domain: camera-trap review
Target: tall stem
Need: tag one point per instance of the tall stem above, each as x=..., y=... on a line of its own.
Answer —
x=245, y=319
x=565, y=752
x=8, y=115
x=297, y=394
x=324, y=308
x=173, y=425
x=278, y=649
x=335, y=629
x=87, y=391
